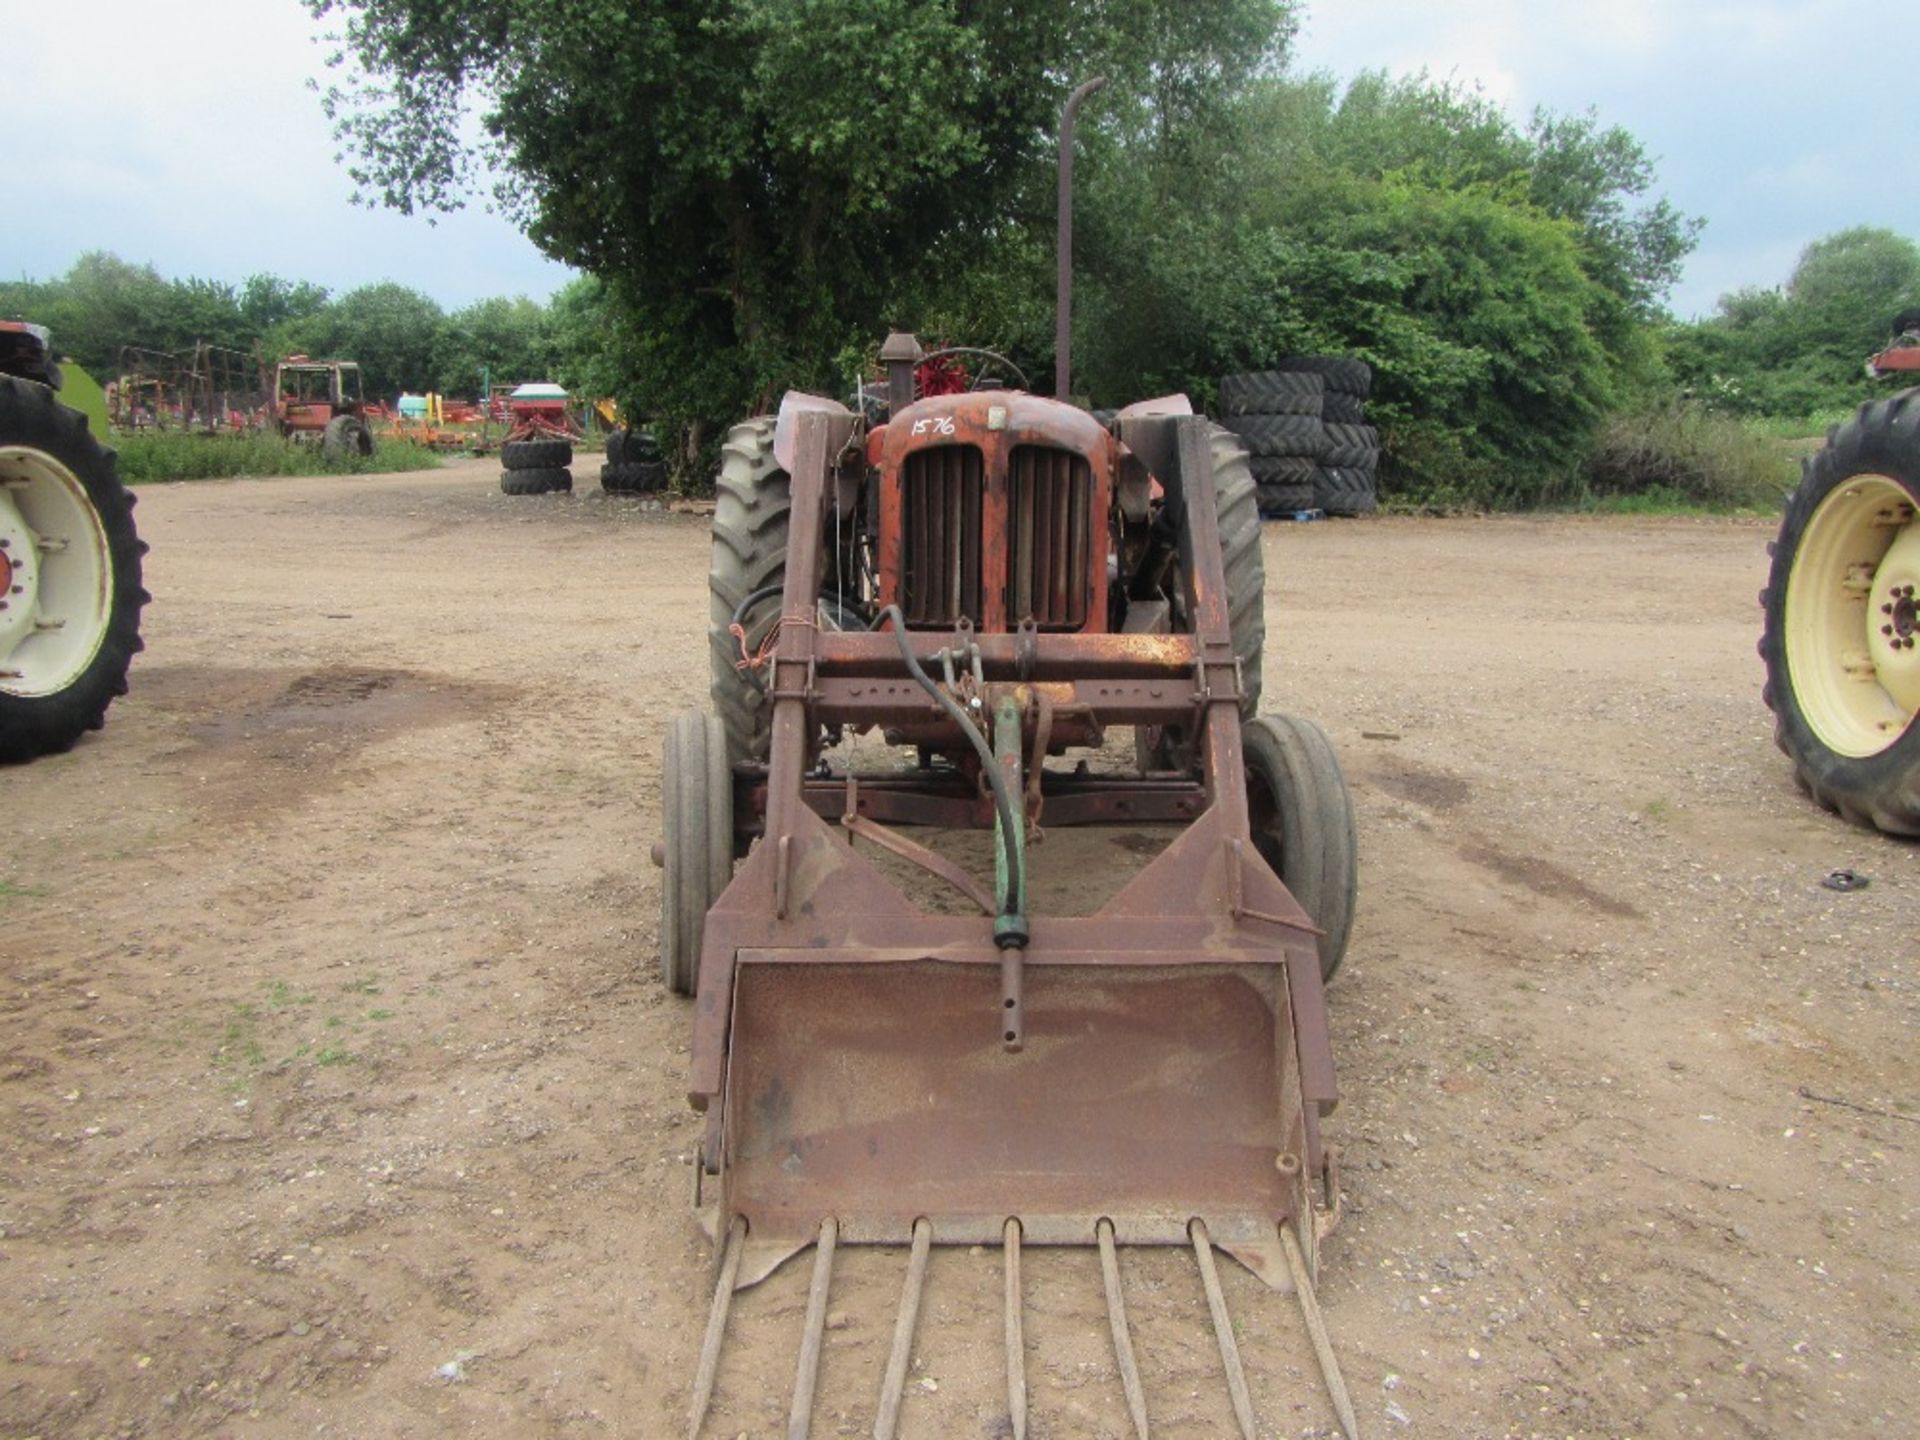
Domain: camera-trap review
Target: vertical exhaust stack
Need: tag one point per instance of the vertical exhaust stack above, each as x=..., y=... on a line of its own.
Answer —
x=1063, y=246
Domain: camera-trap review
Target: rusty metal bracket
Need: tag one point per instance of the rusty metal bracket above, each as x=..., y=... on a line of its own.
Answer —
x=915, y=853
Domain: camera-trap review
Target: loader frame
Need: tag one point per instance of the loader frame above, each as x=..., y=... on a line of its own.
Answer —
x=1203, y=953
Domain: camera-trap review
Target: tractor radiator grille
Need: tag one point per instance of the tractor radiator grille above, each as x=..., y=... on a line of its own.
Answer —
x=941, y=526
x=1049, y=533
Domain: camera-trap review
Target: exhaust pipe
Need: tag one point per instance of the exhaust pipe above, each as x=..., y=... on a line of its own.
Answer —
x=1063, y=246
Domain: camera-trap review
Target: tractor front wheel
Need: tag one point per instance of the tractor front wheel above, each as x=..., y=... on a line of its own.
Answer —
x=1301, y=815
x=1842, y=632
x=696, y=850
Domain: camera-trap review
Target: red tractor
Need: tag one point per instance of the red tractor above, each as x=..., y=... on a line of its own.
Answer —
x=321, y=399
x=937, y=613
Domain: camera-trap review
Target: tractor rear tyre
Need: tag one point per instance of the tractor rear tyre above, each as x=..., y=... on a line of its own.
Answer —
x=71, y=565
x=1341, y=372
x=1272, y=392
x=1842, y=630
x=1280, y=434
x=1301, y=815
x=1345, y=490
x=536, y=454
x=696, y=850
x=1239, y=509
x=752, y=500
x=1237, y=505
x=535, y=482
x=346, y=436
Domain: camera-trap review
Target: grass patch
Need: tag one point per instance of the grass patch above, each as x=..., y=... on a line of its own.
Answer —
x=11, y=891
x=177, y=455
x=1682, y=456
x=280, y=995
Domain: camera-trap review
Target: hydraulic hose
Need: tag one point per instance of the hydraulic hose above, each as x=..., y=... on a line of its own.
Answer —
x=1010, y=814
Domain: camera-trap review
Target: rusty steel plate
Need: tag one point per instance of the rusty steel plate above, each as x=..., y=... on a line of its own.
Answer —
x=879, y=1094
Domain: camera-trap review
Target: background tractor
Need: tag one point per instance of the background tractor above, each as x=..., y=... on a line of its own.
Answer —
x=70, y=592
x=322, y=399
x=947, y=612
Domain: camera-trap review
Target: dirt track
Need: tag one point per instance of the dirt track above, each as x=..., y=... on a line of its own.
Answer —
x=340, y=1094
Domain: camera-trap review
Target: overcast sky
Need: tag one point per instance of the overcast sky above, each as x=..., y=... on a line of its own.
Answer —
x=186, y=135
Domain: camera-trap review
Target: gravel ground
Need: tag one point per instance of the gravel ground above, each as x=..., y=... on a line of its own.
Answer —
x=341, y=1096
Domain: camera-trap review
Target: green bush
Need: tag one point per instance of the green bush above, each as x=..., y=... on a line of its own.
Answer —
x=179, y=455
x=1682, y=453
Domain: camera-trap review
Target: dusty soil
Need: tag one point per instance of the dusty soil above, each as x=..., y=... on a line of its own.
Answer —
x=340, y=1094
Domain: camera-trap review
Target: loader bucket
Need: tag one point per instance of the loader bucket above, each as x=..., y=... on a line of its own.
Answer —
x=1145, y=1095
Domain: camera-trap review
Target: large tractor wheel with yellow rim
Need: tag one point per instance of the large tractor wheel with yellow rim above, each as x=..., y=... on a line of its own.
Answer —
x=1842, y=637
x=70, y=592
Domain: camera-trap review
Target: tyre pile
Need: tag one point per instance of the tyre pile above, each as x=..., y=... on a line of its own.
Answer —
x=1304, y=425
x=536, y=467
x=633, y=465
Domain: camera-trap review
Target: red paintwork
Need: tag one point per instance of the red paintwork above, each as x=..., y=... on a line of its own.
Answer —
x=963, y=420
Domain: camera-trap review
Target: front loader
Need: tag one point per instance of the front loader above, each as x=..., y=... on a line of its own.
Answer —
x=949, y=617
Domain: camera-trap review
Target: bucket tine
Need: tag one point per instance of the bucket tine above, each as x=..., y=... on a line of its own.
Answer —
x=1122, y=1340
x=800, y=1417
x=896, y=1381
x=1317, y=1329
x=1222, y=1327
x=1016, y=1335
x=716, y=1326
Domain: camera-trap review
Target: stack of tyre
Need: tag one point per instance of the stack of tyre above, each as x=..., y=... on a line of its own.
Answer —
x=633, y=465
x=1276, y=414
x=1323, y=459
x=536, y=467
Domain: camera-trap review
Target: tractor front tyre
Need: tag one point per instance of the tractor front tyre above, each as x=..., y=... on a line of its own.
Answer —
x=345, y=437
x=752, y=502
x=70, y=593
x=1841, y=639
x=1301, y=815
x=696, y=848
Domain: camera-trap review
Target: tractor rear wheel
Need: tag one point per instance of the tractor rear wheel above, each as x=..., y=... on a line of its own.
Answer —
x=696, y=850
x=70, y=593
x=1238, y=504
x=1301, y=815
x=752, y=500
x=346, y=436
x=1842, y=632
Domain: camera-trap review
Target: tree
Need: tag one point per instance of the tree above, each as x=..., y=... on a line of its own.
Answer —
x=507, y=340
x=763, y=187
x=268, y=300
x=1798, y=349
x=390, y=330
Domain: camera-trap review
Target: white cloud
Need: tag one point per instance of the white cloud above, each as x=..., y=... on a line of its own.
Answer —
x=191, y=139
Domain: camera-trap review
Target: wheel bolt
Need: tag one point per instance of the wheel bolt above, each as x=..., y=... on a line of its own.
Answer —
x=1886, y=629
